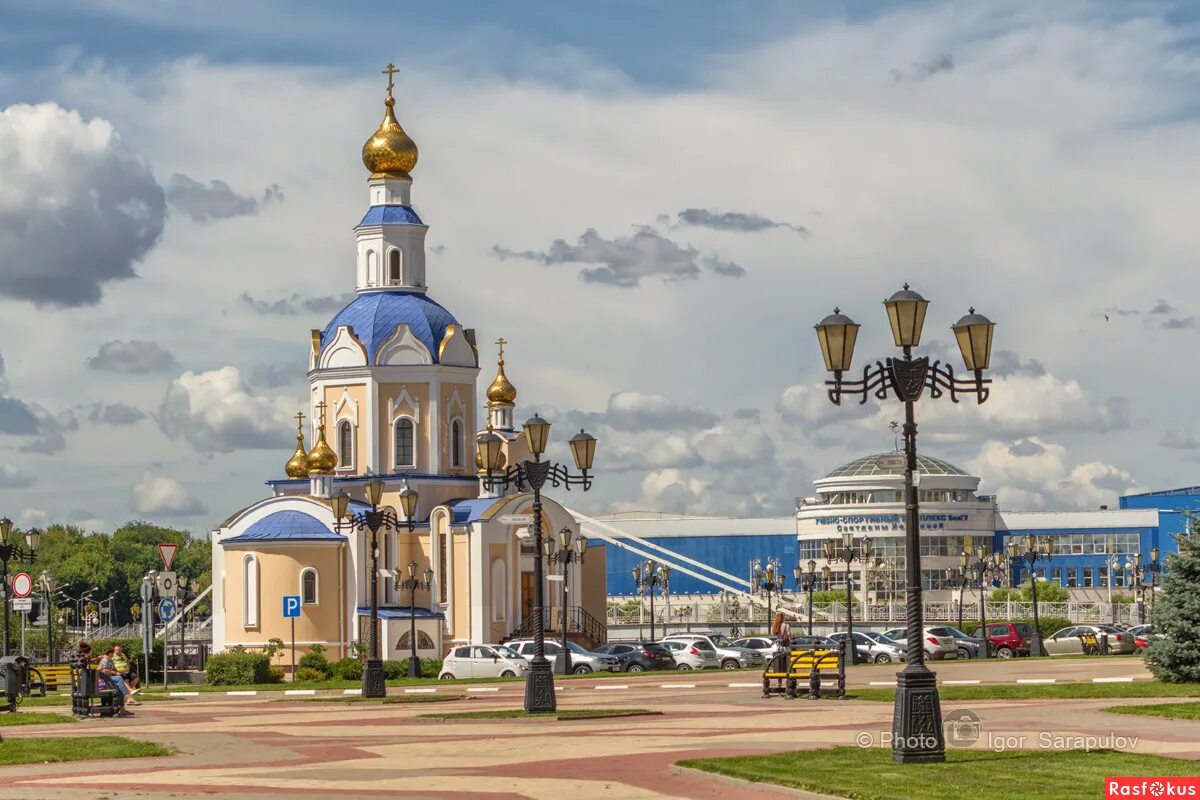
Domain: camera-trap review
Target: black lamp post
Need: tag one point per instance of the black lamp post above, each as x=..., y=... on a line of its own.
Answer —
x=411, y=584
x=769, y=581
x=539, y=685
x=646, y=577
x=959, y=580
x=374, y=684
x=571, y=551
x=985, y=567
x=1152, y=568
x=806, y=582
x=48, y=586
x=11, y=549
x=849, y=551
x=917, y=719
x=1031, y=550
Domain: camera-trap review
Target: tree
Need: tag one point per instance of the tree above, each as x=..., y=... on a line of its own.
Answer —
x=1174, y=653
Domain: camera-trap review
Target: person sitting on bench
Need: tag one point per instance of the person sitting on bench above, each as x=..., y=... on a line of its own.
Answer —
x=108, y=671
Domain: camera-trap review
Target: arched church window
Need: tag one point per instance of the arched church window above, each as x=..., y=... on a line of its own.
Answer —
x=456, y=443
x=499, y=590
x=423, y=641
x=249, y=591
x=345, y=444
x=308, y=587
x=405, y=444
x=394, y=266
x=371, y=268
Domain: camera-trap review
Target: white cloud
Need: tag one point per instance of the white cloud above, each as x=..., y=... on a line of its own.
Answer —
x=13, y=477
x=163, y=496
x=32, y=518
x=216, y=412
x=1032, y=474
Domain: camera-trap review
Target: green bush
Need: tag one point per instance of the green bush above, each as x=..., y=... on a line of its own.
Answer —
x=349, y=669
x=394, y=669
x=276, y=675
x=235, y=669
x=430, y=668
x=309, y=675
x=315, y=661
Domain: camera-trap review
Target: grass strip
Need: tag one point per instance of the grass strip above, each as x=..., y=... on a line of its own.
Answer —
x=46, y=749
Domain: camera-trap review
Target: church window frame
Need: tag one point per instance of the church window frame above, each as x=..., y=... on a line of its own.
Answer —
x=457, y=449
x=345, y=440
x=395, y=267
x=308, y=598
x=399, y=461
x=250, y=591
x=371, y=269
x=499, y=587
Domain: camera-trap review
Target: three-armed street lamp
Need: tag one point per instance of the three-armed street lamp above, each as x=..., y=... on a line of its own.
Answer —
x=374, y=684
x=11, y=549
x=985, y=569
x=410, y=585
x=849, y=551
x=570, y=552
x=1140, y=577
x=1115, y=561
x=539, y=685
x=768, y=581
x=647, y=576
x=917, y=720
x=806, y=582
x=48, y=586
x=1032, y=550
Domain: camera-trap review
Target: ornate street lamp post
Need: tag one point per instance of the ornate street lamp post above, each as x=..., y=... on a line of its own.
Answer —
x=768, y=581
x=848, y=551
x=374, y=520
x=539, y=685
x=1031, y=550
x=646, y=577
x=11, y=549
x=986, y=567
x=411, y=584
x=571, y=552
x=1140, y=573
x=48, y=586
x=806, y=582
x=917, y=719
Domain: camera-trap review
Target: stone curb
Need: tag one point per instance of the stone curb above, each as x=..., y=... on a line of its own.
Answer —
x=786, y=791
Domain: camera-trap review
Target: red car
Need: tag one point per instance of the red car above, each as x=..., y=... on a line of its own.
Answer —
x=1008, y=639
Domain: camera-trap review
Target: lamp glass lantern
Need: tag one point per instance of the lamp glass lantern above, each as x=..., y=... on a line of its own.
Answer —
x=537, y=433
x=491, y=447
x=974, y=335
x=340, y=502
x=580, y=545
x=837, y=334
x=1154, y=554
x=548, y=546
x=375, y=492
x=906, y=315
x=32, y=536
x=408, y=501
x=6, y=526
x=583, y=449
x=564, y=538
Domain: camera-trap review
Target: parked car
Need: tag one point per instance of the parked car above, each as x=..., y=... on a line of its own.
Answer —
x=692, y=653
x=1069, y=640
x=634, y=657
x=483, y=661
x=1142, y=636
x=869, y=649
x=766, y=646
x=1142, y=630
x=730, y=655
x=938, y=647
x=968, y=646
x=1008, y=639
x=582, y=661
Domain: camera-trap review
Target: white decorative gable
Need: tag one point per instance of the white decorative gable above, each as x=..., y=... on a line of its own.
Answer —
x=403, y=405
x=402, y=347
x=346, y=408
x=344, y=351
x=455, y=350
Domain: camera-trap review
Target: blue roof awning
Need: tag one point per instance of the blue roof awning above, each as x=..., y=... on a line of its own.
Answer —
x=286, y=526
x=390, y=215
x=402, y=612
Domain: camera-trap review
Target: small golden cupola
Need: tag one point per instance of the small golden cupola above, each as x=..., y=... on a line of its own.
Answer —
x=297, y=465
x=321, y=459
x=390, y=151
x=501, y=395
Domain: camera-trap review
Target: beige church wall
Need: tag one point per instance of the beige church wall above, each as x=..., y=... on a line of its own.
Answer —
x=357, y=395
x=466, y=393
x=392, y=631
x=278, y=575
x=595, y=579
x=419, y=392
x=461, y=626
x=430, y=495
x=497, y=630
x=414, y=547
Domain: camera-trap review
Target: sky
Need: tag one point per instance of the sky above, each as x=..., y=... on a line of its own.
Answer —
x=653, y=202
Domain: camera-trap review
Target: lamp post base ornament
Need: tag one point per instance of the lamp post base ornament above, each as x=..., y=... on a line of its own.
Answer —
x=917, y=736
x=539, y=689
x=374, y=684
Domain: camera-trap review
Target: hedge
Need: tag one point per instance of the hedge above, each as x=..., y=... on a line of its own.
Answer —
x=236, y=669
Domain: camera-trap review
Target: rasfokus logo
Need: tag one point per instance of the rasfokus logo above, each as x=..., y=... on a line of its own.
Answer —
x=1165, y=787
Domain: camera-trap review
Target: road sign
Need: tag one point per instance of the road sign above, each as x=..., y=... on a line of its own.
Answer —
x=166, y=584
x=22, y=584
x=516, y=519
x=166, y=609
x=22, y=604
x=291, y=606
x=166, y=552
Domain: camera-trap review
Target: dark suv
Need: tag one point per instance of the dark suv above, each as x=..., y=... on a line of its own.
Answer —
x=639, y=657
x=1008, y=639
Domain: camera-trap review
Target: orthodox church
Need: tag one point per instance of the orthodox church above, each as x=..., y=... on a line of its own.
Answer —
x=393, y=397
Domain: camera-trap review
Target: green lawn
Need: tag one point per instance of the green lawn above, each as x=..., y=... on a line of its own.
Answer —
x=570, y=713
x=870, y=774
x=1170, y=710
x=1060, y=691
x=33, y=718
x=44, y=749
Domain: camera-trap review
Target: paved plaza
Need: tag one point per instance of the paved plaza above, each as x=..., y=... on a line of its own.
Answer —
x=268, y=745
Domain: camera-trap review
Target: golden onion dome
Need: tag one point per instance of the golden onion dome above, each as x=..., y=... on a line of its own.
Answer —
x=321, y=459
x=390, y=150
x=501, y=390
x=297, y=465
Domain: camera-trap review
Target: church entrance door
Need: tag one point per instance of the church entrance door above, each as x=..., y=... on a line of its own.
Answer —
x=526, y=595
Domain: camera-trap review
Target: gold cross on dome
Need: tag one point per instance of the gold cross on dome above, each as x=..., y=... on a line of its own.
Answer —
x=502, y=341
x=300, y=420
x=321, y=406
x=390, y=71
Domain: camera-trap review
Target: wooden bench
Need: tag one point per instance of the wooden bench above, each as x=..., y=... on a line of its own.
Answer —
x=1091, y=644
x=47, y=677
x=87, y=698
x=807, y=665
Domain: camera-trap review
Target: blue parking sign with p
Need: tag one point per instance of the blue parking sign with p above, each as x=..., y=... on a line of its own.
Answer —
x=291, y=606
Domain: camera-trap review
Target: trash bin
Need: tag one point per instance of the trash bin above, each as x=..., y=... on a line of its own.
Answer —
x=14, y=671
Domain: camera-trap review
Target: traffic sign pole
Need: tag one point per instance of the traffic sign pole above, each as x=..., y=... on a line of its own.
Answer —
x=291, y=610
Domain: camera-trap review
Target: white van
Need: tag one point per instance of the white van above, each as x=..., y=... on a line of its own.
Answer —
x=483, y=661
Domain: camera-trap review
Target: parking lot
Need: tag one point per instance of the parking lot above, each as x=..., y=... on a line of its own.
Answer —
x=262, y=745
